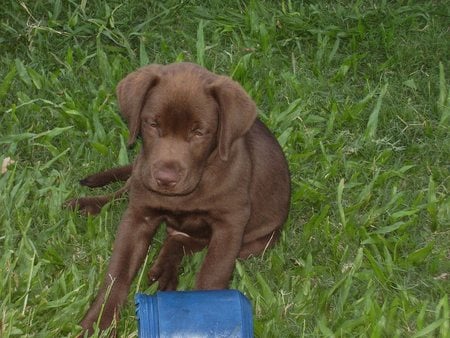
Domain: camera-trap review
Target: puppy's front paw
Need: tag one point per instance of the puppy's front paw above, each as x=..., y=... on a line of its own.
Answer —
x=165, y=274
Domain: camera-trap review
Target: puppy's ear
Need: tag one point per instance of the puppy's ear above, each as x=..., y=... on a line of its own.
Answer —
x=237, y=112
x=132, y=92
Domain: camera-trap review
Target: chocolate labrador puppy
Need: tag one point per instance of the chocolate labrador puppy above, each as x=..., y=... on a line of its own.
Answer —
x=208, y=168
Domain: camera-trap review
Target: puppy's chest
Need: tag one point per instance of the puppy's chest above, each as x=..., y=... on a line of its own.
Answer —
x=195, y=224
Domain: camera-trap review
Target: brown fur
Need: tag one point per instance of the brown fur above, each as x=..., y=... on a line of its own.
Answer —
x=208, y=168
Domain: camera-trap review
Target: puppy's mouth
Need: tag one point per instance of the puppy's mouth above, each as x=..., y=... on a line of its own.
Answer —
x=181, y=188
x=167, y=192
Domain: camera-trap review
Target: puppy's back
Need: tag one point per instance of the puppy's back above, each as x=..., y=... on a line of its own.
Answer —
x=270, y=182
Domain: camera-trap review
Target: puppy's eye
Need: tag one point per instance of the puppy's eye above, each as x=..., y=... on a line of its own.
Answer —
x=197, y=132
x=151, y=123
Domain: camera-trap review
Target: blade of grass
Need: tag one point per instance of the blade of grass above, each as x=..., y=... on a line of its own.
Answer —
x=30, y=276
x=444, y=97
x=7, y=80
x=442, y=309
x=200, y=45
x=420, y=255
x=347, y=285
x=22, y=72
x=432, y=204
x=53, y=160
x=372, y=124
x=340, y=191
x=143, y=55
x=429, y=329
x=32, y=136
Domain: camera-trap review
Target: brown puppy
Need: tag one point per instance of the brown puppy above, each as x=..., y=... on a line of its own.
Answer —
x=208, y=168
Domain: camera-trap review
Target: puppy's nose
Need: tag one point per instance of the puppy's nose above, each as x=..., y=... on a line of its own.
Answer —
x=166, y=177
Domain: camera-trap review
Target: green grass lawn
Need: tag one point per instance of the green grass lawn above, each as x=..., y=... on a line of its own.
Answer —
x=358, y=94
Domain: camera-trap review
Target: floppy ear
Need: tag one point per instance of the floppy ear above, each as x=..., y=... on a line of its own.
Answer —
x=237, y=112
x=131, y=94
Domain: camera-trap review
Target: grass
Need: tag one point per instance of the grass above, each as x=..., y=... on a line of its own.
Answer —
x=357, y=93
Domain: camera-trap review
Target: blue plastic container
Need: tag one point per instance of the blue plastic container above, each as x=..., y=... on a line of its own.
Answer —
x=188, y=314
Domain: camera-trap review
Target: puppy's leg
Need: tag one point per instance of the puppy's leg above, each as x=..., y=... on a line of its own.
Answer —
x=130, y=248
x=259, y=246
x=223, y=250
x=165, y=269
x=108, y=176
x=92, y=205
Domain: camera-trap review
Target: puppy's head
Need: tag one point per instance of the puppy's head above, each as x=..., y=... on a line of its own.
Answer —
x=185, y=115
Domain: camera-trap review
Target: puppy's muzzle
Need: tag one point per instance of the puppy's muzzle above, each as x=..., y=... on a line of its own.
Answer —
x=167, y=175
